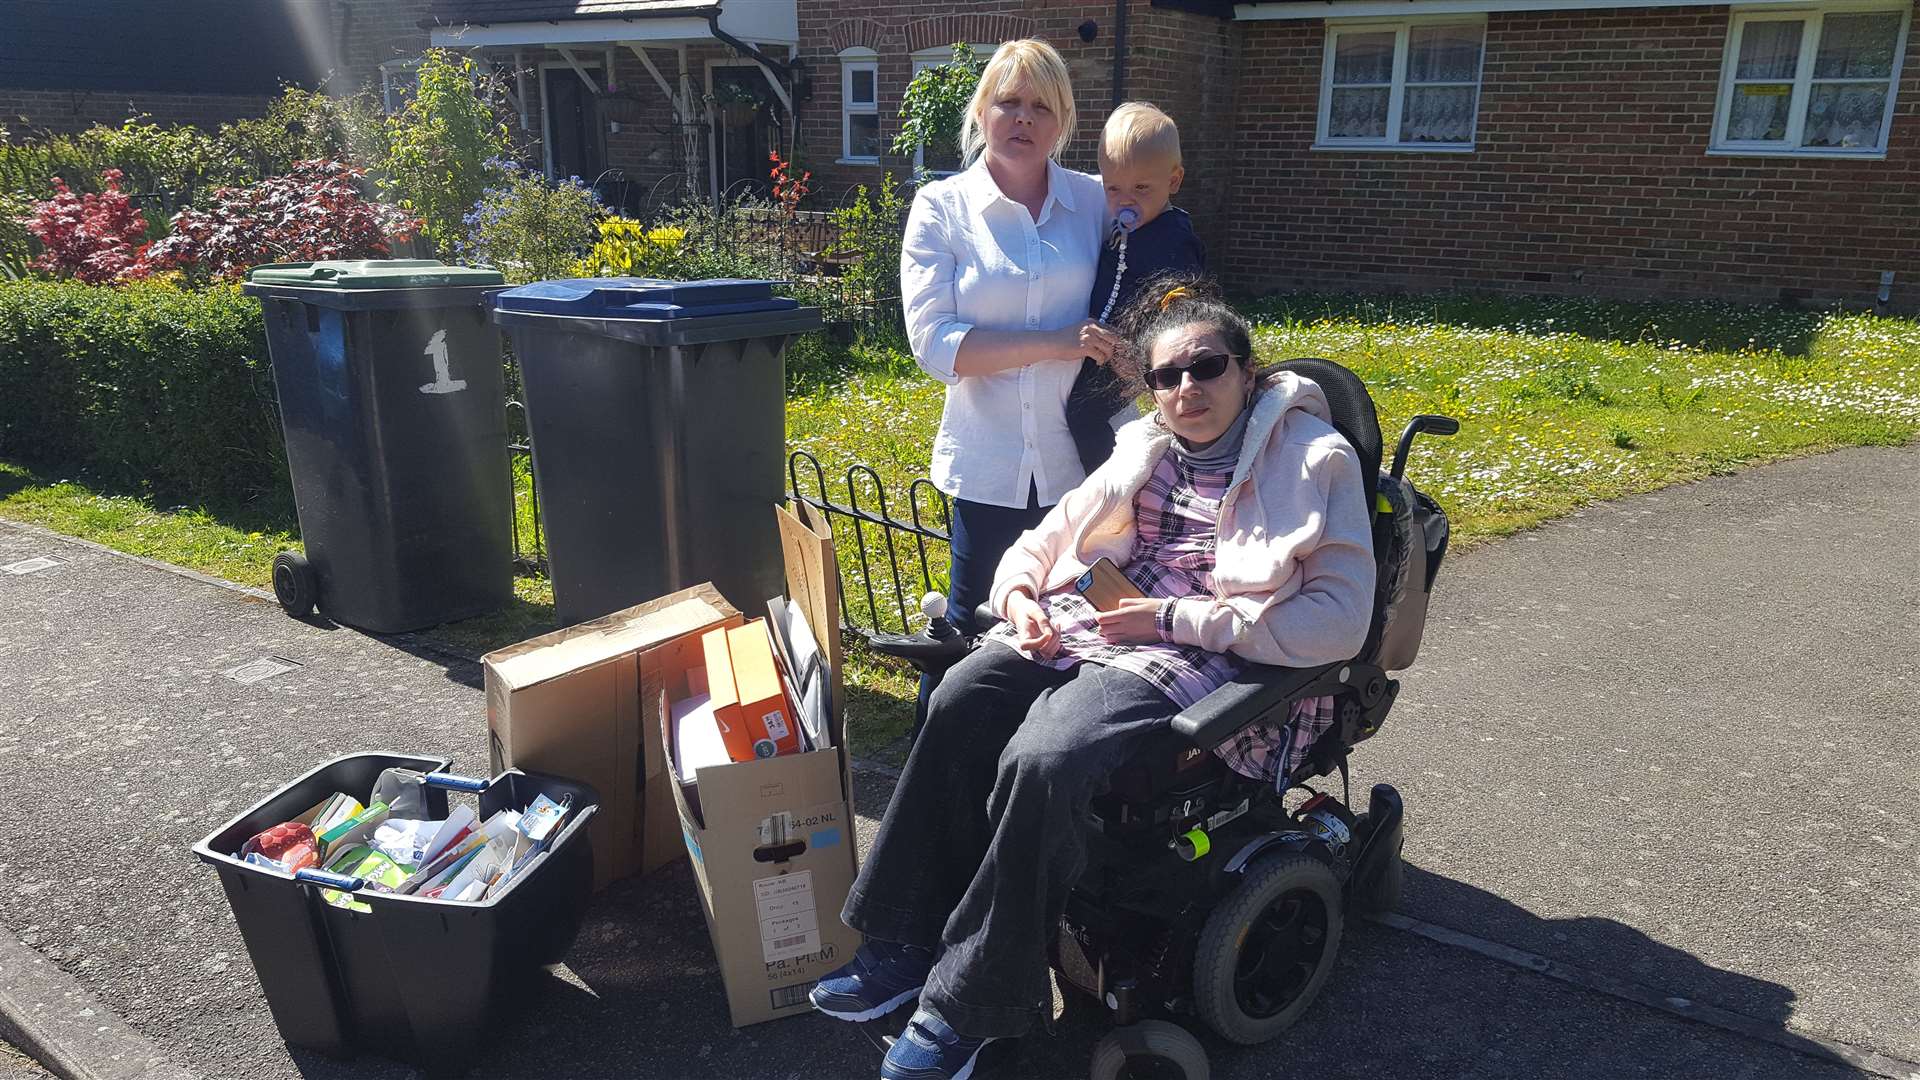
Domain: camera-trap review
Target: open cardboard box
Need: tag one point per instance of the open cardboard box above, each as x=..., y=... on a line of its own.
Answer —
x=772, y=839
x=574, y=703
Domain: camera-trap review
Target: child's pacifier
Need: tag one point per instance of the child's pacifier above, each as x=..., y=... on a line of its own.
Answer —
x=1128, y=218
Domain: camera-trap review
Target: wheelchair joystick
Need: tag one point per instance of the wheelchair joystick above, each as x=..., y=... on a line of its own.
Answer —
x=934, y=607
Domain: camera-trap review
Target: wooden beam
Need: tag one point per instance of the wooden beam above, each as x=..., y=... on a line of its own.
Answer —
x=567, y=54
x=646, y=61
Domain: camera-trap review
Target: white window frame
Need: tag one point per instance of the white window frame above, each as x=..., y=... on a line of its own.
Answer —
x=1814, y=16
x=852, y=61
x=1397, y=88
x=395, y=76
x=927, y=58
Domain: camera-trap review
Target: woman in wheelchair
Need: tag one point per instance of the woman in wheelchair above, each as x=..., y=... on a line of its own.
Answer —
x=1234, y=512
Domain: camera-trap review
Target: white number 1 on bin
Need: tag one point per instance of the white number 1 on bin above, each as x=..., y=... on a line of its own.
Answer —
x=443, y=380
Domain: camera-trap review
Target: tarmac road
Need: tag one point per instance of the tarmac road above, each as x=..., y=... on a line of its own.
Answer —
x=1670, y=741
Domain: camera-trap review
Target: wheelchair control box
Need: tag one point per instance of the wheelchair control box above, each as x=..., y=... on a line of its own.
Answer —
x=771, y=839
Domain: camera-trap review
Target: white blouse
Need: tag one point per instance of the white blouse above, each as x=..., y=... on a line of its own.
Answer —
x=973, y=257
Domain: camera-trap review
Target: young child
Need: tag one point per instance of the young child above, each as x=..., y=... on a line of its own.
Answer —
x=1140, y=167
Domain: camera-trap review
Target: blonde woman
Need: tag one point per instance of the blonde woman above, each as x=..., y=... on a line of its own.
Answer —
x=995, y=269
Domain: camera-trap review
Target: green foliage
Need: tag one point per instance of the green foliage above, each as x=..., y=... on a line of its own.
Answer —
x=935, y=105
x=870, y=233
x=144, y=385
x=445, y=149
x=530, y=228
x=15, y=247
x=306, y=125
x=166, y=167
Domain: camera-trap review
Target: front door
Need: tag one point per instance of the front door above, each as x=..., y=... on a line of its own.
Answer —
x=573, y=125
x=745, y=133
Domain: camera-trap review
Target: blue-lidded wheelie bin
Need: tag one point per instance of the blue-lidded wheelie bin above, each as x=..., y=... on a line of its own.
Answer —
x=657, y=411
x=393, y=404
x=407, y=977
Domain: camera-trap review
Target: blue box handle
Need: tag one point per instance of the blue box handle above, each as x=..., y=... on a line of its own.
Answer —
x=458, y=783
x=330, y=879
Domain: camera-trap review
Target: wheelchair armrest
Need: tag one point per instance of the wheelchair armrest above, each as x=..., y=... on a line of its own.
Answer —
x=985, y=618
x=1245, y=698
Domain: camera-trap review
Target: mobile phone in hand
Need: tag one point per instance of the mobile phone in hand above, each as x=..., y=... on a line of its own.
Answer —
x=1104, y=585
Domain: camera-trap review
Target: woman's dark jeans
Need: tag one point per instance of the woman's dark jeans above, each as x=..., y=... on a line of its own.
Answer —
x=981, y=534
x=987, y=829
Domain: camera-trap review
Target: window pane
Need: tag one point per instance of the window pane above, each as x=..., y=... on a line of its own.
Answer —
x=1363, y=58
x=1358, y=114
x=1760, y=111
x=1438, y=114
x=1857, y=46
x=1444, y=54
x=1845, y=115
x=1769, y=50
x=862, y=86
x=863, y=136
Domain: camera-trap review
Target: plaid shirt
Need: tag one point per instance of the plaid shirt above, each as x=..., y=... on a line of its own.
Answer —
x=1177, y=516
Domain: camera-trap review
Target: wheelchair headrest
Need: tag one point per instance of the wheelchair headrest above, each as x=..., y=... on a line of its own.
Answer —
x=1353, y=415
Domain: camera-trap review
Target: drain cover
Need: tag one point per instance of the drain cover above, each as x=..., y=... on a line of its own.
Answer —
x=260, y=670
x=29, y=566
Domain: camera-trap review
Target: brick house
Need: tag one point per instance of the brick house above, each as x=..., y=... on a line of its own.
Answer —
x=1764, y=151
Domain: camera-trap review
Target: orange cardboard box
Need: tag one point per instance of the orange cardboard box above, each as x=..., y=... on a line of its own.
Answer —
x=772, y=725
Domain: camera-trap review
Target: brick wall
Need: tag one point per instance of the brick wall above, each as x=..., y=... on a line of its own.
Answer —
x=372, y=32
x=1589, y=177
x=896, y=30
x=63, y=111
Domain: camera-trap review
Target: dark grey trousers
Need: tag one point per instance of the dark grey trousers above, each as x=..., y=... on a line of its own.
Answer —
x=986, y=832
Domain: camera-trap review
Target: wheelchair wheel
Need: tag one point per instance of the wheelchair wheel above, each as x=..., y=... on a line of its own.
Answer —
x=1267, y=949
x=1149, y=1050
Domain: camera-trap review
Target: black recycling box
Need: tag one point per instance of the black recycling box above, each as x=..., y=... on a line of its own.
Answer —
x=421, y=980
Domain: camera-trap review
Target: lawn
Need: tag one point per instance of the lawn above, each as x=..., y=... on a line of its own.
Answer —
x=1561, y=403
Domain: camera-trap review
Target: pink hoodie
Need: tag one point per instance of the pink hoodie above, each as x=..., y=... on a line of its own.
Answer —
x=1294, y=571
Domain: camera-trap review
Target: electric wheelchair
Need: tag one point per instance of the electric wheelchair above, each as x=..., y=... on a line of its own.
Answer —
x=1206, y=893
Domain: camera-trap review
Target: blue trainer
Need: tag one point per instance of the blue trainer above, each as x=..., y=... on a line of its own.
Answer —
x=881, y=977
x=930, y=1050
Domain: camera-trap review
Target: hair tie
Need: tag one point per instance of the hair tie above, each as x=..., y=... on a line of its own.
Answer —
x=1178, y=292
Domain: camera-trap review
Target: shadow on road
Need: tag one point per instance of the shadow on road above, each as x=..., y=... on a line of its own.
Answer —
x=641, y=997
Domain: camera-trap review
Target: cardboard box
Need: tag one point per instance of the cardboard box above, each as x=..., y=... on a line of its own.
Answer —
x=574, y=703
x=766, y=713
x=772, y=839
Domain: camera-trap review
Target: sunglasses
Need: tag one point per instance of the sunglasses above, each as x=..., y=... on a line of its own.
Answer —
x=1210, y=366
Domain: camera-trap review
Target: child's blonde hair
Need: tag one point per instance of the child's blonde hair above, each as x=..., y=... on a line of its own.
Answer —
x=1038, y=65
x=1137, y=132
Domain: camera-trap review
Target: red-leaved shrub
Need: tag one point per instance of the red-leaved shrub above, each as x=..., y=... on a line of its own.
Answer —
x=314, y=212
x=98, y=237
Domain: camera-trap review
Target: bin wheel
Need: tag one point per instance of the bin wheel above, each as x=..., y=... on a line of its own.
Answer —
x=1268, y=948
x=295, y=584
x=1149, y=1050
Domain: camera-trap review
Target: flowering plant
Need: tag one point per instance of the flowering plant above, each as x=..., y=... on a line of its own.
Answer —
x=98, y=237
x=314, y=212
x=528, y=227
x=787, y=189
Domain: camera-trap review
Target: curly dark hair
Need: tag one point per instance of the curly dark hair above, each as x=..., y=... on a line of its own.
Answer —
x=1164, y=302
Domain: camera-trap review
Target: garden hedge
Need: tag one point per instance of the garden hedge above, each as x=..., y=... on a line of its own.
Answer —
x=145, y=386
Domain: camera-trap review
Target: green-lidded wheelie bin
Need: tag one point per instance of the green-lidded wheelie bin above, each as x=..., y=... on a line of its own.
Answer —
x=658, y=416
x=393, y=404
